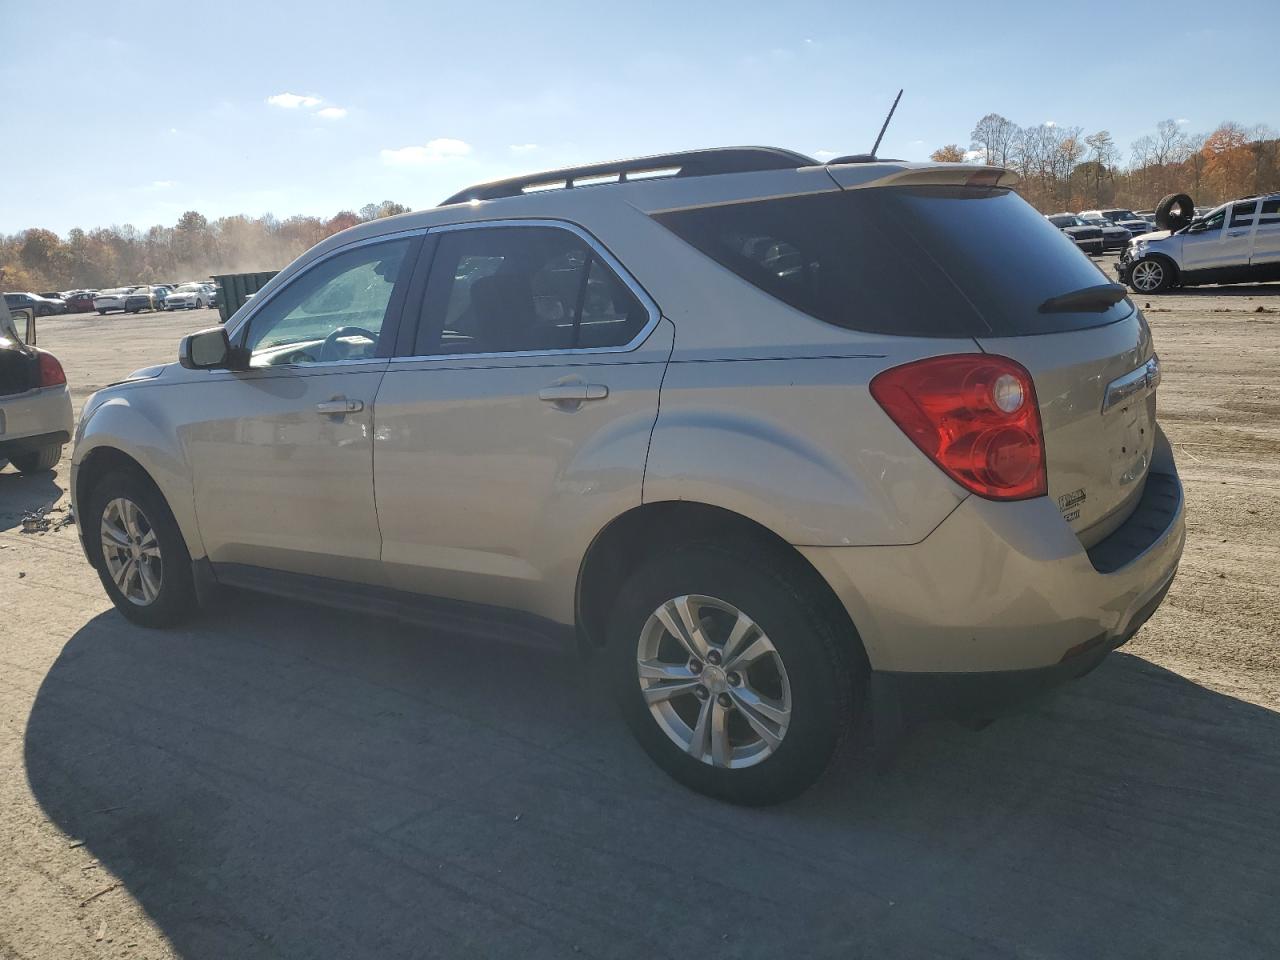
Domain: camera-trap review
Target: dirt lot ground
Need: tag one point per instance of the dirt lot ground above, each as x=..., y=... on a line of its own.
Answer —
x=278, y=781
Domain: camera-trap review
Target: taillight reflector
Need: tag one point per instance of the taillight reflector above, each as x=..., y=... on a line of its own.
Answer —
x=975, y=416
x=51, y=373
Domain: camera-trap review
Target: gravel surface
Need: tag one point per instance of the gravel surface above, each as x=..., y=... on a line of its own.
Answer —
x=280, y=781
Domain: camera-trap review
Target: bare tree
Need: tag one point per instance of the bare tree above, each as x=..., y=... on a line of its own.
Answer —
x=996, y=137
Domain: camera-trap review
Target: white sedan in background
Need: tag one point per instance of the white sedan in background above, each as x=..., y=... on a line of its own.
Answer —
x=111, y=299
x=190, y=296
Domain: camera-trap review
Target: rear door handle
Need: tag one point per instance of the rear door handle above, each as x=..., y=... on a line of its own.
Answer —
x=574, y=392
x=339, y=405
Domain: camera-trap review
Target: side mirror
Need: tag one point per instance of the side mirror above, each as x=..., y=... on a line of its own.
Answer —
x=208, y=350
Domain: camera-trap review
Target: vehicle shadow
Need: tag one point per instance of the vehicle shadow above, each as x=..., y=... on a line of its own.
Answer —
x=22, y=493
x=284, y=781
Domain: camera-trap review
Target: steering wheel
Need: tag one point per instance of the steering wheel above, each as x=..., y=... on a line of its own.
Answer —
x=329, y=349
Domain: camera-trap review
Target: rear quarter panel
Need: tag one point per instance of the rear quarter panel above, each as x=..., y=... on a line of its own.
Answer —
x=799, y=446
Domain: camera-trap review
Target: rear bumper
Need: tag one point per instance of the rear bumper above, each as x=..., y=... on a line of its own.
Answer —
x=34, y=420
x=1003, y=587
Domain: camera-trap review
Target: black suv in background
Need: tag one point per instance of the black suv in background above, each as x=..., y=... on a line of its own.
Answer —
x=1086, y=237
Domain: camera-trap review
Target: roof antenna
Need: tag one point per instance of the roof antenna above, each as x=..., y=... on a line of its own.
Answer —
x=875, y=149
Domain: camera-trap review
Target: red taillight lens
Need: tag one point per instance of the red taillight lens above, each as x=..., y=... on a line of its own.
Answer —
x=975, y=416
x=50, y=370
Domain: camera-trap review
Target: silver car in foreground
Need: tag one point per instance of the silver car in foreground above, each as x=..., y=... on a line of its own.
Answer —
x=784, y=439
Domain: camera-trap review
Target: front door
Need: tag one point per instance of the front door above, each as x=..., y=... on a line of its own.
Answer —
x=518, y=424
x=1224, y=241
x=282, y=454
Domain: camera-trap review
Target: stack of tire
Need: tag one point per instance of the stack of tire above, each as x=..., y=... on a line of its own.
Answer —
x=1174, y=212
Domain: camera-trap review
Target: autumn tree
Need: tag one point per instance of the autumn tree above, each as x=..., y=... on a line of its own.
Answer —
x=951, y=153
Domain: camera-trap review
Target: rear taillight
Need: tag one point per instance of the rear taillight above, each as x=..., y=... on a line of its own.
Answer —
x=975, y=416
x=50, y=370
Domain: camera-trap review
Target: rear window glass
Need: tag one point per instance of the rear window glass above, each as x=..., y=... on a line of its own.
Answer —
x=913, y=261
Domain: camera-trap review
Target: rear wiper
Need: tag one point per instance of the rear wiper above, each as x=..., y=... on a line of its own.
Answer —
x=1094, y=299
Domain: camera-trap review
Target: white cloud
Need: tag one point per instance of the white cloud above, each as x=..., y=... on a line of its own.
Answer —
x=440, y=150
x=523, y=147
x=291, y=101
x=971, y=155
x=161, y=184
x=173, y=129
x=824, y=154
x=332, y=113
x=1182, y=121
x=1051, y=123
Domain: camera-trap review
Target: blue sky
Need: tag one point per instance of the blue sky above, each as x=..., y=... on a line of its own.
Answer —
x=134, y=112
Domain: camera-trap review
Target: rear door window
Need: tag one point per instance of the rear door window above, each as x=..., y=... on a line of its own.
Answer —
x=523, y=289
x=913, y=261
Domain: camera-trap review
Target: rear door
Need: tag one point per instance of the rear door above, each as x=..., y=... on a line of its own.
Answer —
x=516, y=422
x=1266, y=238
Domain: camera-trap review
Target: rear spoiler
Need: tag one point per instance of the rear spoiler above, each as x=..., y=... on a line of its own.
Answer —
x=853, y=175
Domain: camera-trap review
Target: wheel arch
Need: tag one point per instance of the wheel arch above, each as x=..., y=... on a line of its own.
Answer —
x=98, y=455
x=632, y=537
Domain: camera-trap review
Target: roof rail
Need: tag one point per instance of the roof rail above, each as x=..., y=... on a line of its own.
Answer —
x=691, y=163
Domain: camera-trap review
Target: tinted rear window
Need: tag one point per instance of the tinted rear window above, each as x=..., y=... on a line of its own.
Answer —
x=913, y=261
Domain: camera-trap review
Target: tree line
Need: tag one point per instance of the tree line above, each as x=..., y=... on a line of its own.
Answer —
x=1063, y=168
x=194, y=248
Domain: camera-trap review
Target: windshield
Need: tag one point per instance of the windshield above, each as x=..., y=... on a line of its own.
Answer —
x=919, y=261
x=190, y=288
x=1064, y=221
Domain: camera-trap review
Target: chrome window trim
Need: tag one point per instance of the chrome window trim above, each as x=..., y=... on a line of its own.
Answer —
x=597, y=248
x=234, y=332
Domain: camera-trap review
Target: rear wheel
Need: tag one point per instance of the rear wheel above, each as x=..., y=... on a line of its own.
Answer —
x=1151, y=275
x=730, y=676
x=138, y=550
x=102, y=313
x=46, y=458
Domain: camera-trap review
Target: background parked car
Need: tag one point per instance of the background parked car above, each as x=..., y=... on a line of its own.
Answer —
x=190, y=296
x=40, y=305
x=143, y=298
x=111, y=299
x=1126, y=218
x=1114, y=236
x=1085, y=236
x=80, y=301
x=35, y=406
x=55, y=298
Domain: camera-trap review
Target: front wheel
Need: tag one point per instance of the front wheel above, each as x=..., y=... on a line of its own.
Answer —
x=730, y=675
x=37, y=461
x=102, y=313
x=1150, y=275
x=138, y=550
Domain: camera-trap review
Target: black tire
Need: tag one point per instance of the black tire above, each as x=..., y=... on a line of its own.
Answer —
x=37, y=461
x=816, y=658
x=102, y=313
x=1174, y=212
x=176, y=599
x=1165, y=269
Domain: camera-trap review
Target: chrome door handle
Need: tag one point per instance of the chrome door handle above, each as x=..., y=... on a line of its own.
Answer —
x=339, y=405
x=574, y=392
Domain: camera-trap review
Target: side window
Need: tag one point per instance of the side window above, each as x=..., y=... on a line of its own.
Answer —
x=1270, y=211
x=1215, y=221
x=516, y=289
x=1242, y=213
x=334, y=311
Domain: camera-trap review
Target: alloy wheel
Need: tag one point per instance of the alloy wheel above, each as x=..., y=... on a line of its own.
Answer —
x=713, y=681
x=131, y=551
x=1148, y=275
